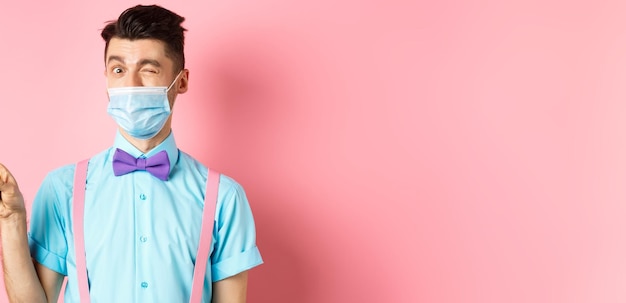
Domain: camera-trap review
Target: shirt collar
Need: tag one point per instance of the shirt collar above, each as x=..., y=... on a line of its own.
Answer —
x=168, y=145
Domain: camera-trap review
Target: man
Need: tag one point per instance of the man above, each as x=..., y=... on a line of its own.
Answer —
x=142, y=226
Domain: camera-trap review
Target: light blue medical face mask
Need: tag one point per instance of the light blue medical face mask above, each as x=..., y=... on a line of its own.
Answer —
x=140, y=110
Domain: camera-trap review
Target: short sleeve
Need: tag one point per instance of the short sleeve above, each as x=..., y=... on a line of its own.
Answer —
x=48, y=222
x=235, y=248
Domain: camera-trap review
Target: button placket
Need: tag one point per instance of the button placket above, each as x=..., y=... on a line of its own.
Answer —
x=142, y=236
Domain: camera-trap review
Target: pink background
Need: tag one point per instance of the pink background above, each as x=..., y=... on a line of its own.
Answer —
x=392, y=151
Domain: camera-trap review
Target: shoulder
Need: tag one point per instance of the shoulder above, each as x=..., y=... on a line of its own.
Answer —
x=188, y=163
x=229, y=188
x=56, y=188
x=230, y=185
x=63, y=176
x=232, y=199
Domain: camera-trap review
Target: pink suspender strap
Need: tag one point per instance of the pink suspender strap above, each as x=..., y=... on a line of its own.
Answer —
x=80, y=180
x=204, y=247
x=206, y=235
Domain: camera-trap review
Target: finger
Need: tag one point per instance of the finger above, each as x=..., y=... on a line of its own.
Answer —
x=8, y=184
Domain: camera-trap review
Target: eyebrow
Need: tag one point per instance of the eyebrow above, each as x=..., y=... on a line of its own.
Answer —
x=142, y=62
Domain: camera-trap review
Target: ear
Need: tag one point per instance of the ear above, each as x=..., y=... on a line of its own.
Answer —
x=183, y=82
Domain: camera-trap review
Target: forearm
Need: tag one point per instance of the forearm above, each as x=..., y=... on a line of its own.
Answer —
x=231, y=290
x=20, y=278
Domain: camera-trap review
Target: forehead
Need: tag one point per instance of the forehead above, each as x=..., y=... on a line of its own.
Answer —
x=135, y=51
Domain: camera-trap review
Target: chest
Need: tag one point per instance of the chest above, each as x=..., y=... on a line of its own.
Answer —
x=135, y=218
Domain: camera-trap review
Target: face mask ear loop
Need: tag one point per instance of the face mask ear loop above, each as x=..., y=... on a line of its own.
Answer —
x=179, y=73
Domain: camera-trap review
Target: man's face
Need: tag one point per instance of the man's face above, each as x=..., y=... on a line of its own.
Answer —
x=141, y=62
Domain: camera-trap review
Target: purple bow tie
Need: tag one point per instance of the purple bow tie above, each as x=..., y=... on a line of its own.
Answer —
x=158, y=165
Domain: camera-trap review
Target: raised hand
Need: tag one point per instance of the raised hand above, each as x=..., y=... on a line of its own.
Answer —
x=11, y=199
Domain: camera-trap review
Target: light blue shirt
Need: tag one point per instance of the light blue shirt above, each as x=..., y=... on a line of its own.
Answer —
x=141, y=233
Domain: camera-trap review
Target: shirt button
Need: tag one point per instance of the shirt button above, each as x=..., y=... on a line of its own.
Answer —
x=144, y=284
x=143, y=239
x=142, y=196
